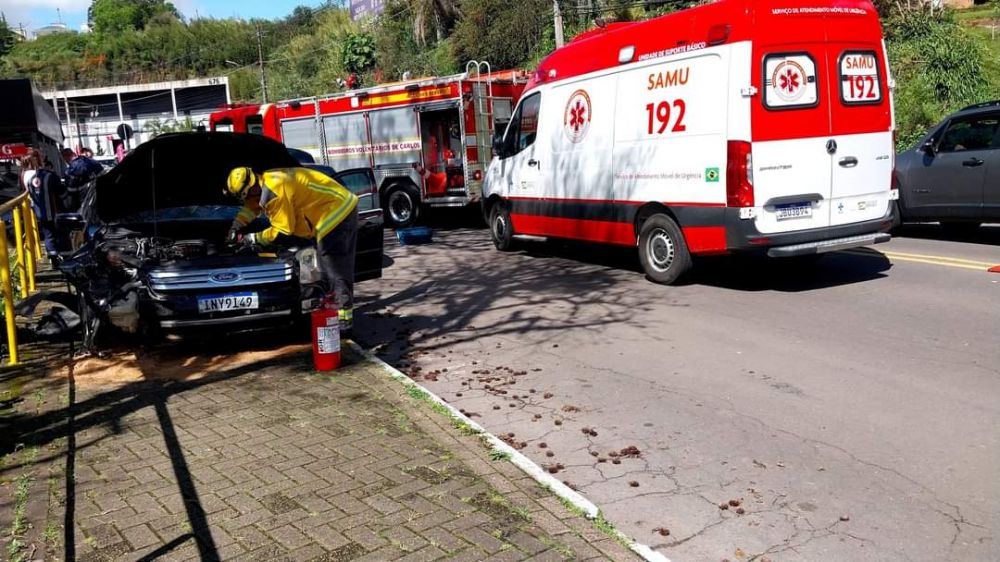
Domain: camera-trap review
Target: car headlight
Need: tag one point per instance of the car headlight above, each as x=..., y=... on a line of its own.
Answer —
x=309, y=271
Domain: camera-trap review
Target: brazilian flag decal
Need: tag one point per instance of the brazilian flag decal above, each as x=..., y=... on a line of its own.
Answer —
x=711, y=175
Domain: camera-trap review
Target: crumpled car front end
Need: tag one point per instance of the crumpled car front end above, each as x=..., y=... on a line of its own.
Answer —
x=157, y=259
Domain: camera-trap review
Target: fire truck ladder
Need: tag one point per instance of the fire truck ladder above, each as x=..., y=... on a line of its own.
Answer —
x=483, y=100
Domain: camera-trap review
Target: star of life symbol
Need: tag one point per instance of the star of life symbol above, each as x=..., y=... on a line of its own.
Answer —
x=576, y=120
x=788, y=81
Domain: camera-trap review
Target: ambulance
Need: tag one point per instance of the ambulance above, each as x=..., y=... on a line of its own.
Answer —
x=740, y=125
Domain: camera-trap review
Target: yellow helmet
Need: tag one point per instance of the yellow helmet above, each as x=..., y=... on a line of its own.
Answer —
x=240, y=180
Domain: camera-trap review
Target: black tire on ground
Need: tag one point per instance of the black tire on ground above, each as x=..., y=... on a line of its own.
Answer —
x=401, y=204
x=897, y=219
x=960, y=228
x=501, y=228
x=663, y=252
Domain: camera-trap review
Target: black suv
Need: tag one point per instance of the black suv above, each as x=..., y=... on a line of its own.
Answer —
x=156, y=258
x=952, y=176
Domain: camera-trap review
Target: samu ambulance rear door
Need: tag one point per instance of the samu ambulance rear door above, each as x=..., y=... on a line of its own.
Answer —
x=861, y=119
x=790, y=128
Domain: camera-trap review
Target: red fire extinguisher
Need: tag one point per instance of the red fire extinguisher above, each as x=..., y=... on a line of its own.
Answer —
x=326, y=336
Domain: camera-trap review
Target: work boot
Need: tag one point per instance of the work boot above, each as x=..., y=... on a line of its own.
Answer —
x=346, y=331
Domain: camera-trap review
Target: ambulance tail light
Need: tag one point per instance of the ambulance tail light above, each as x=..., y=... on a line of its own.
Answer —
x=477, y=175
x=739, y=175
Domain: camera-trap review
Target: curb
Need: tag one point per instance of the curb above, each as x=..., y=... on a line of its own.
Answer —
x=516, y=457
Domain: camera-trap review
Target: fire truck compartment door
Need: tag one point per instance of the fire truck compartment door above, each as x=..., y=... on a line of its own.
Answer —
x=395, y=136
x=303, y=134
x=347, y=144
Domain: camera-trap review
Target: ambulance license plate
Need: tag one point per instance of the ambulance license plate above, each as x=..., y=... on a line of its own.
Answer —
x=223, y=303
x=794, y=211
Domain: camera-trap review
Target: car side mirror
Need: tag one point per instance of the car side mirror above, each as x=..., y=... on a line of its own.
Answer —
x=928, y=148
x=498, y=144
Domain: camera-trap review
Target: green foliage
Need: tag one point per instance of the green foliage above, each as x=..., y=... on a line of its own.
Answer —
x=397, y=49
x=358, y=52
x=938, y=69
x=438, y=16
x=116, y=16
x=311, y=63
x=6, y=39
x=486, y=31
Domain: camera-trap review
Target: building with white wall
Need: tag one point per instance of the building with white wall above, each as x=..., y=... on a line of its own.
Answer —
x=91, y=116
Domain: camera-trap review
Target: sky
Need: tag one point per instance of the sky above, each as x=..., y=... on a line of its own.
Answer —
x=33, y=14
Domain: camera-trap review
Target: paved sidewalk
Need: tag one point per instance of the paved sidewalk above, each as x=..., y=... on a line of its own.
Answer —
x=255, y=457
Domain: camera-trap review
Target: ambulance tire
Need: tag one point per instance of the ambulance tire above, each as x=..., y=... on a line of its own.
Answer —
x=401, y=205
x=501, y=228
x=663, y=252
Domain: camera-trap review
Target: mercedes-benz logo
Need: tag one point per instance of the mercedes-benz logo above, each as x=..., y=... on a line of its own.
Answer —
x=831, y=146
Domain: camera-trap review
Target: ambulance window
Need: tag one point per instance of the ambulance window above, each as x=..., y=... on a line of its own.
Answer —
x=790, y=81
x=860, y=79
x=523, y=126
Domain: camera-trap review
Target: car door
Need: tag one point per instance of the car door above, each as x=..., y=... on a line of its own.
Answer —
x=523, y=178
x=368, y=261
x=991, y=185
x=950, y=183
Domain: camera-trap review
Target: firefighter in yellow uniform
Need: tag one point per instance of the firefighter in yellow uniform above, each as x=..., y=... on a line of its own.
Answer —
x=304, y=203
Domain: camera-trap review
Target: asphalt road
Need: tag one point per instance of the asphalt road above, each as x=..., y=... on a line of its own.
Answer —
x=851, y=410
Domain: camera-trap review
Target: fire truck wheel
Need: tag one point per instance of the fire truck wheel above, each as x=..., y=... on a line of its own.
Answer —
x=662, y=250
x=501, y=229
x=402, y=205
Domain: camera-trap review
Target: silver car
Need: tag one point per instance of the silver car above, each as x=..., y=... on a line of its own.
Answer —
x=952, y=176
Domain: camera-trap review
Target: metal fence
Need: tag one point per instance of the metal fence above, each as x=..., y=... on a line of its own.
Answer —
x=27, y=251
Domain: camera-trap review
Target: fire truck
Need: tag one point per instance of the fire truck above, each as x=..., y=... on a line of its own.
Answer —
x=428, y=140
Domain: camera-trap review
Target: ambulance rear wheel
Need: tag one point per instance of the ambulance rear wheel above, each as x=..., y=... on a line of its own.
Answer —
x=501, y=228
x=662, y=251
x=401, y=204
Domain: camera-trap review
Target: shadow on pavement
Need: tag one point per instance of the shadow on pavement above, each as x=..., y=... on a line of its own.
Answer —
x=152, y=377
x=466, y=281
x=754, y=273
x=460, y=289
x=453, y=218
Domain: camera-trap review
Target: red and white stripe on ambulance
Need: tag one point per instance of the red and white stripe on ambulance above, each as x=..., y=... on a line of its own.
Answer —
x=676, y=110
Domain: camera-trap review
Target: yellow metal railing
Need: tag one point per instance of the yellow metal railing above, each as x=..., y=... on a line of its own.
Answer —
x=27, y=246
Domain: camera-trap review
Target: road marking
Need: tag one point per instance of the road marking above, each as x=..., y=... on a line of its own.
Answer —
x=929, y=259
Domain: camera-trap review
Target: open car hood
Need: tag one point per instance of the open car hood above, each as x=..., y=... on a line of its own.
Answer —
x=182, y=170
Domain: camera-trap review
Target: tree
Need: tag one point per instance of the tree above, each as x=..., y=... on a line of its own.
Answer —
x=484, y=32
x=440, y=15
x=6, y=39
x=116, y=16
x=359, y=52
x=301, y=17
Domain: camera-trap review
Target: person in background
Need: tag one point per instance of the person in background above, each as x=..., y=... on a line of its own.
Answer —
x=44, y=188
x=80, y=171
